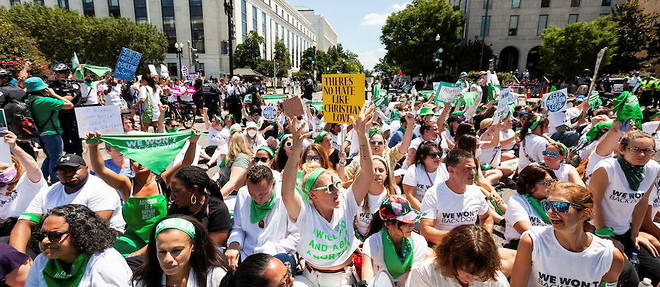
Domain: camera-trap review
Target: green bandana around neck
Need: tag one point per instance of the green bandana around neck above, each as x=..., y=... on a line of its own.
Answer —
x=536, y=204
x=55, y=275
x=634, y=173
x=397, y=265
x=259, y=211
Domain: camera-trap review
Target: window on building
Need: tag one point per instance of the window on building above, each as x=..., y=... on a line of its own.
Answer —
x=263, y=27
x=513, y=25
x=255, y=17
x=14, y=2
x=545, y=3
x=515, y=3
x=197, y=25
x=141, y=15
x=606, y=3
x=488, y=4
x=572, y=18
x=485, y=26
x=169, y=24
x=173, y=69
x=113, y=8
x=575, y=3
x=244, y=29
x=88, y=8
x=64, y=4
x=543, y=23
x=201, y=69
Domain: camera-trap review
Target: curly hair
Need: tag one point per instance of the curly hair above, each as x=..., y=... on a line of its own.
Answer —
x=258, y=173
x=204, y=257
x=89, y=233
x=196, y=176
x=632, y=135
x=469, y=248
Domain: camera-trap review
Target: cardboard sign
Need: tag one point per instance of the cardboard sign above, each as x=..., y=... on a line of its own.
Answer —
x=184, y=72
x=269, y=112
x=343, y=97
x=127, y=64
x=293, y=107
x=103, y=119
x=446, y=92
x=555, y=101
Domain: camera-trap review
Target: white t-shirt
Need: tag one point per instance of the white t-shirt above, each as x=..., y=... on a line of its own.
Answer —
x=563, y=172
x=213, y=278
x=519, y=209
x=594, y=159
x=450, y=209
x=155, y=101
x=531, y=148
x=95, y=194
x=363, y=218
x=373, y=247
x=619, y=199
x=106, y=268
x=15, y=203
x=414, y=144
x=505, y=135
x=654, y=200
x=491, y=156
x=425, y=274
x=278, y=235
x=552, y=265
x=418, y=177
x=328, y=244
x=113, y=98
x=89, y=95
x=216, y=138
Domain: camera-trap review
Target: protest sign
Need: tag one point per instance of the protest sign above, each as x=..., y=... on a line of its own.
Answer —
x=184, y=72
x=127, y=64
x=446, y=92
x=103, y=119
x=5, y=155
x=555, y=101
x=293, y=107
x=343, y=97
x=152, y=70
x=273, y=100
x=503, y=110
x=269, y=112
x=164, y=72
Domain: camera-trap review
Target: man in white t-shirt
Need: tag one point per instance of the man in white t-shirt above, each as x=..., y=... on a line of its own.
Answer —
x=261, y=224
x=456, y=201
x=75, y=186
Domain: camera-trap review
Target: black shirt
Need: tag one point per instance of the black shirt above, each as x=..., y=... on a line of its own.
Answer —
x=8, y=93
x=214, y=215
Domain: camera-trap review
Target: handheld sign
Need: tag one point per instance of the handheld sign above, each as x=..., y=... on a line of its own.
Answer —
x=127, y=64
x=555, y=101
x=446, y=92
x=103, y=119
x=343, y=97
x=184, y=72
x=269, y=112
x=152, y=70
x=293, y=107
x=506, y=98
x=5, y=155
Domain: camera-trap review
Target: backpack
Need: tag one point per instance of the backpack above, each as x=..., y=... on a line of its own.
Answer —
x=19, y=118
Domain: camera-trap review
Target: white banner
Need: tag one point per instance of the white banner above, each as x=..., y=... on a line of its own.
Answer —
x=104, y=119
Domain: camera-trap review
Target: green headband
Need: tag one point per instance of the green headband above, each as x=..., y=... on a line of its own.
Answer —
x=562, y=148
x=176, y=223
x=536, y=123
x=269, y=150
x=310, y=182
x=375, y=131
x=320, y=136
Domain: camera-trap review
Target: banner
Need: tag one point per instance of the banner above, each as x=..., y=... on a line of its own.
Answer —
x=103, y=119
x=343, y=97
x=97, y=70
x=273, y=100
x=446, y=92
x=555, y=101
x=492, y=86
x=127, y=64
x=154, y=151
x=269, y=112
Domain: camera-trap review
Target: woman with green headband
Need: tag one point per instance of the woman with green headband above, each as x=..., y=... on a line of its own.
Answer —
x=532, y=140
x=337, y=157
x=554, y=156
x=180, y=253
x=323, y=212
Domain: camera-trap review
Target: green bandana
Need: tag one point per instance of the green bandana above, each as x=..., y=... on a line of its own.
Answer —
x=537, y=207
x=259, y=211
x=55, y=275
x=310, y=182
x=176, y=223
x=598, y=130
x=375, y=131
x=634, y=173
x=320, y=137
x=626, y=107
x=396, y=264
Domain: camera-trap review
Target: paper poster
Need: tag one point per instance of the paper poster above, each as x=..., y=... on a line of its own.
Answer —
x=555, y=101
x=164, y=72
x=343, y=97
x=184, y=72
x=269, y=112
x=446, y=92
x=103, y=119
x=152, y=70
x=127, y=64
x=506, y=98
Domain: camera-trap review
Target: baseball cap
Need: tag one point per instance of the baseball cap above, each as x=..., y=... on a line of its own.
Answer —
x=71, y=160
x=397, y=208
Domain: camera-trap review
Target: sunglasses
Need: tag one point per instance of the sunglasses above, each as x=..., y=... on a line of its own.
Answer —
x=312, y=157
x=53, y=236
x=260, y=159
x=330, y=188
x=548, y=182
x=435, y=155
x=559, y=206
x=551, y=154
x=376, y=142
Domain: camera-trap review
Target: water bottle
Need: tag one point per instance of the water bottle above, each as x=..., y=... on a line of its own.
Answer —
x=634, y=259
x=645, y=283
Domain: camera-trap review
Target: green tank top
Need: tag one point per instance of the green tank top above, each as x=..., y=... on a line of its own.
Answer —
x=142, y=213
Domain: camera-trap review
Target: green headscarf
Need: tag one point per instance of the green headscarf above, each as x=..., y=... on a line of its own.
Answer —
x=55, y=275
x=320, y=137
x=634, y=173
x=397, y=264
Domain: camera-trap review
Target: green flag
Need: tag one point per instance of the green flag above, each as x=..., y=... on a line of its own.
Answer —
x=97, y=70
x=594, y=100
x=318, y=105
x=375, y=94
x=154, y=151
x=626, y=107
x=74, y=61
x=492, y=86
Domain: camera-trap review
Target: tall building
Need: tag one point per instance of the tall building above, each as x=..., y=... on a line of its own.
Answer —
x=202, y=24
x=326, y=35
x=512, y=28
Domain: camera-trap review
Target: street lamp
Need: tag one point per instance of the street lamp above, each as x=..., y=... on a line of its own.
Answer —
x=229, y=10
x=179, y=50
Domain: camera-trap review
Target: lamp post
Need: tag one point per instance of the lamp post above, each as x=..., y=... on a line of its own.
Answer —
x=229, y=10
x=179, y=50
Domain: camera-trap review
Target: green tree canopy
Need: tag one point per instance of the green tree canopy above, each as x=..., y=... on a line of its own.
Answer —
x=18, y=48
x=409, y=35
x=308, y=59
x=247, y=54
x=282, y=53
x=567, y=51
x=636, y=31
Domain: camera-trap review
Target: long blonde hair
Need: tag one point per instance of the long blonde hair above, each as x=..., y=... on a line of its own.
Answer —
x=238, y=145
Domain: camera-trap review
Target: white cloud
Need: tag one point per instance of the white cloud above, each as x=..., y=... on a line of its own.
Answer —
x=399, y=7
x=374, y=19
x=370, y=58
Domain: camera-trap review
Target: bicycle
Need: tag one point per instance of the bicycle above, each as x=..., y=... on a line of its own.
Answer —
x=183, y=112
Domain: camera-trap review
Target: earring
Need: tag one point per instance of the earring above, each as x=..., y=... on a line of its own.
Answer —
x=193, y=199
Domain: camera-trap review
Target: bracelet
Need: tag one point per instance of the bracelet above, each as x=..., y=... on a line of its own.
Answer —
x=607, y=232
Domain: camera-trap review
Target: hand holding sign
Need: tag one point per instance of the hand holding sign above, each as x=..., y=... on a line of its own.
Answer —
x=555, y=101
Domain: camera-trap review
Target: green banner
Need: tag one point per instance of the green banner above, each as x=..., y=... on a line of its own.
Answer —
x=154, y=151
x=318, y=105
x=273, y=100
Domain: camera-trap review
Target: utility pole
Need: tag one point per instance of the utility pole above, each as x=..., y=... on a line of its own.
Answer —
x=229, y=10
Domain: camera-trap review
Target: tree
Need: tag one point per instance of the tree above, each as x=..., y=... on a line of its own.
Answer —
x=410, y=34
x=18, y=48
x=465, y=57
x=282, y=53
x=308, y=59
x=266, y=68
x=342, y=61
x=247, y=54
x=385, y=68
x=636, y=31
x=567, y=51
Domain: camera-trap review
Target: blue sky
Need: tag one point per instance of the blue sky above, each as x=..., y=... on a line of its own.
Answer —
x=357, y=23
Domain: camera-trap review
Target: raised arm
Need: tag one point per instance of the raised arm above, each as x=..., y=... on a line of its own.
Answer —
x=292, y=201
x=597, y=186
x=366, y=175
x=443, y=117
x=114, y=180
x=188, y=158
x=610, y=140
x=407, y=136
x=31, y=168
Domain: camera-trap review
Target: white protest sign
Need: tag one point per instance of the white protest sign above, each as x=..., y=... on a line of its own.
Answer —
x=446, y=92
x=503, y=110
x=555, y=101
x=103, y=119
x=269, y=112
x=152, y=70
x=184, y=72
x=164, y=72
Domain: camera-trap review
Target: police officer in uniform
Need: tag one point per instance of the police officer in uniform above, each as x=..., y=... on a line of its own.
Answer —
x=70, y=90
